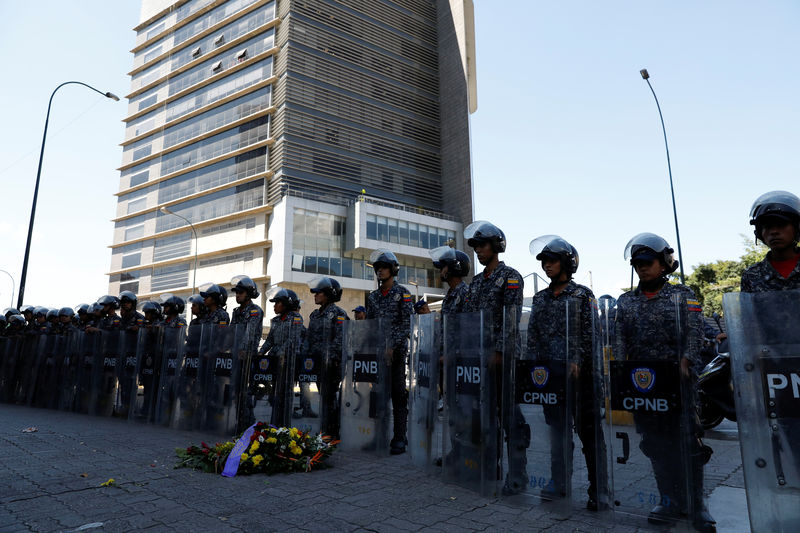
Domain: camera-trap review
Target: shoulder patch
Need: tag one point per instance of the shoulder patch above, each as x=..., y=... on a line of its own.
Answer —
x=298, y=320
x=254, y=312
x=397, y=297
x=499, y=282
x=407, y=298
x=693, y=305
x=513, y=283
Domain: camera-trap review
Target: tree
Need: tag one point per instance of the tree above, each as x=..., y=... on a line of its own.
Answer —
x=710, y=281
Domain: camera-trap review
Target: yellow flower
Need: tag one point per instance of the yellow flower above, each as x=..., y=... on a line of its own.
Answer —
x=257, y=459
x=254, y=447
x=297, y=450
x=292, y=444
x=293, y=433
x=245, y=457
x=273, y=430
x=271, y=440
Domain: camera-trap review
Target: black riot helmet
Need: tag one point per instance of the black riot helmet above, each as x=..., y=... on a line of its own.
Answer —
x=95, y=309
x=16, y=321
x=606, y=301
x=26, y=309
x=82, y=309
x=384, y=258
x=554, y=247
x=286, y=296
x=113, y=301
x=327, y=286
x=243, y=283
x=649, y=246
x=151, y=307
x=40, y=311
x=456, y=261
x=127, y=296
x=171, y=304
x=10, y=311
x=217, y=293
x=200, y=301
x=481, y=231
x=66, y=311
x=52, y=314
x=775, y=204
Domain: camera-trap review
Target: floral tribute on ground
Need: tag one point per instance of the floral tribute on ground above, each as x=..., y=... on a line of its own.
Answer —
x=262, y=448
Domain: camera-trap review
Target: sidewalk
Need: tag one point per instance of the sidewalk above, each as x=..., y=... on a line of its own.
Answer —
x=41, y=487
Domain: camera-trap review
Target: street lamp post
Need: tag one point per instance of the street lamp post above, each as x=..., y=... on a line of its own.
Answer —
x=38, y=176
x=646, y=77
x=13, y=284
x=194, y=233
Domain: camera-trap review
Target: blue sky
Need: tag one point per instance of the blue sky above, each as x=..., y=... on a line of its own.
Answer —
x=566, y=138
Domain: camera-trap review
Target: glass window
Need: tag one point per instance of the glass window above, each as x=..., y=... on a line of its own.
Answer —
x=131, y=260
x=137, y=205
x=393, y=230
x=372, y=227
x=402, y=232
x=147, y=102
x=442, y=237
x=149, y=56
x=347, y=267
x=383, y=229
x=413, y=234
x=140, y=178
x=336, y=266
x=423, y=236
x=134, y=232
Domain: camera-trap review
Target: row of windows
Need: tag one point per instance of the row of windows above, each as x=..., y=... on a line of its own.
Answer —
x=225, y=202
x=396, y=231
x=233, y=258
x=203, y=97
x=208, y=121
x=170, y=277
x=226, y=34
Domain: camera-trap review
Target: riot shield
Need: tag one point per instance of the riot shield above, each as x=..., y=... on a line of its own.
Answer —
x=765, y=359
x=365, y=414
x=5, y=344
x=142, y=385
x=105, y=381
x=87, y=348
x=27, y=366
x=272, y=376
x=188, y=404
x=424, y=430
x=655, y=457
x=127, y=372
x=172, y=344
x=472, y=378
x=69, y=371
x=330, y=376
x=11, y=352
x=307, y=405
x=41, y=371
x=221, y=365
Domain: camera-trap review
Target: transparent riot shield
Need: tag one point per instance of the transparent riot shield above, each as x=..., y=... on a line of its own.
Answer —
x=87, y=346
x=365, y=414
x=472, y=378
x=655, y=457
x=8, y=372
x=69, y=371
x=222, y=376
x=424, y=429
x=765, y=359
x=307, y=405
x=127, y=372
x=105, y=379
x=330, y=376
x=272, y=375
x=190, y=394
x=40, y=391
x=142, y=386
x=5, y=344
x=172, y=349
x=27, y=366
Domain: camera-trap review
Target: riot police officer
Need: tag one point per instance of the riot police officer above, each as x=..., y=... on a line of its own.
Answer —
x=215, y=299
x=359, y=312
x=108, y=317
x=52, y=320
x=65, y=316
x=646, y=330
x=325, y=326
x=173, y=307
x=152, y=314
x=776, y=217
x=285, y=338
x=130, y=318
x=392, y=302
x=453, y=267
x=41, y=326
x=198, y=309
x=27, y=312
x=499, y=288
x=251, y=318
x=548, y=331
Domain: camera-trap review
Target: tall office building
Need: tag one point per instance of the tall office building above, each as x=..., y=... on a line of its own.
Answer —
x=296, y=136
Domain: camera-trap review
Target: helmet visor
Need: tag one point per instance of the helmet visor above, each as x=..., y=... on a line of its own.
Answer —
x=646, y=240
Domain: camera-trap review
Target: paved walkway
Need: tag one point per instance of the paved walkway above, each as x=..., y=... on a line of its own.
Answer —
x=51, y=482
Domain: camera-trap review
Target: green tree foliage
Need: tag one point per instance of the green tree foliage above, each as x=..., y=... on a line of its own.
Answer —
x=710, y=281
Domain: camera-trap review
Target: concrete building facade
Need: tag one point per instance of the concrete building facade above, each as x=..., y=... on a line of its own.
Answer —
x=296, y=136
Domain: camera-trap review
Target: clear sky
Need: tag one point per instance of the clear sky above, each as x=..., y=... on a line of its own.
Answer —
x=566, y=138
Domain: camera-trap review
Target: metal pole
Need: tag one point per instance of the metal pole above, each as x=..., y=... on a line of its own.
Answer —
x=13, y=284
x=24, y=274
x=194, y=234
x=646, y=77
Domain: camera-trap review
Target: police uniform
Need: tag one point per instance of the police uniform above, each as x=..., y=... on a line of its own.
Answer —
x=456, y=299
x=175, y=322
x=132, y=319
x=110, y=322
x=219, y=316
x=325, y=334
x=646, y=330
x=763, y=277
x=500, y=290
x=285, y=338
x=551, y=339
x=396, y=307
x=252, y=317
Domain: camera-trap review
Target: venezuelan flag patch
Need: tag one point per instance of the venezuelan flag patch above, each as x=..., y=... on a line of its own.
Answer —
x=512, y=283
x=407, y=298
x=298, y=320
x=254, y=312
x=694, y=305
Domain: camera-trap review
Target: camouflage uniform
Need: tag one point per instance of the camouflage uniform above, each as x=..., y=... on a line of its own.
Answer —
x=252, y=317
x=395, y=307
x=561, y=330
x=500, y=290
x=647, y=329
x=455, y=299
x=325, y=328
x=110, y=322
x=763, y=277
x=175, y=322
x=134, y=318
x=218, y=316
x=283, y=343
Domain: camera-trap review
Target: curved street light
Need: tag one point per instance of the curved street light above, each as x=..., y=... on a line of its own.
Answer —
x=194, y=233
x=13, y=284
x=38, y=176
x=646, y=77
